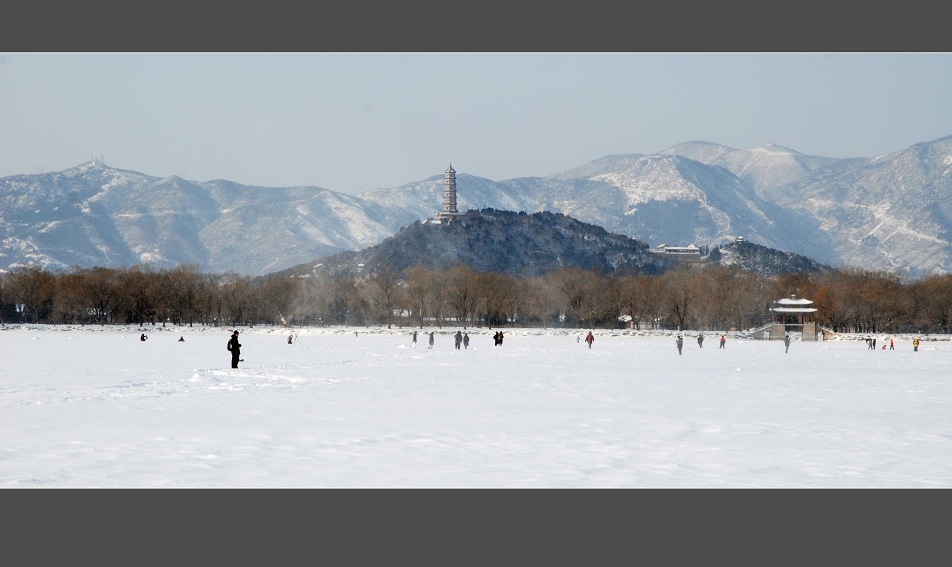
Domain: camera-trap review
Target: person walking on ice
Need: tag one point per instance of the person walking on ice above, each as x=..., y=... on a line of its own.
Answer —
x=700, y=340
x=723, y=341
x=590, y=338
x=234, y=347
x=465, y=340
x=679, y=342
x=431, y=340
x=458, y=339
x=786, y=343
x=414, y=339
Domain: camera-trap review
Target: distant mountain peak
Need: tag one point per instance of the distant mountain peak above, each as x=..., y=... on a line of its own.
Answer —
x=885, y=212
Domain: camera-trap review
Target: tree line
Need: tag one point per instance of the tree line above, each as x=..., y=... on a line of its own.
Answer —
x=691, y=296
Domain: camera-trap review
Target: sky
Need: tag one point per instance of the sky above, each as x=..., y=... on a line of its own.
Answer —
x=96, y=407
x=353, y=122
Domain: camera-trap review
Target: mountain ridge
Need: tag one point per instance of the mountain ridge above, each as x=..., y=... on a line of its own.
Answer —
x=889, y=212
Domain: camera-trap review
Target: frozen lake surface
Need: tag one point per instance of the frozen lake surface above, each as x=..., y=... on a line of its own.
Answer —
x=96, y=407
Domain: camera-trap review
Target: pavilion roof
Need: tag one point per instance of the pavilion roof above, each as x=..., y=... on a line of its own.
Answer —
x=791, y=301
x=793, y=309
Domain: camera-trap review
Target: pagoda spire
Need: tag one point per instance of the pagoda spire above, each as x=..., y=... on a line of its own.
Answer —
x=449, y=195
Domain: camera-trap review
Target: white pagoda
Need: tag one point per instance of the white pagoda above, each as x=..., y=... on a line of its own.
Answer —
x=449, y=196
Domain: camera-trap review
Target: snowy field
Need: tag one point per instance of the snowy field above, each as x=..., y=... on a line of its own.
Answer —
x=96, y=407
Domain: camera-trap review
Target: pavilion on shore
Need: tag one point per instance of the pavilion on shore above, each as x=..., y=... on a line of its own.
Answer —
x=792, y=315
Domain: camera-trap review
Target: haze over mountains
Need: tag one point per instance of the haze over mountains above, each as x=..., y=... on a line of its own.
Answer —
x=891, y=212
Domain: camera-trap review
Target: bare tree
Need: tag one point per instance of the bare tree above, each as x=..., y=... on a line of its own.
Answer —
x=462, y=292
x=140, y=289
x=417, y=281
x=540, y=300
x=68, y=299
x=637, y=296
x=102, y=293
x=32, y=290
x=577, y=288
x=491, y=303
x=677, y=294
x=383, y=292
x=277, y=296
x=236, y=294
x=188, y=284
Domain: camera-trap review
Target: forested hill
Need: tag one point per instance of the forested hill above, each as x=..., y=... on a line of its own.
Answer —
x=765, y=261
x=528, y=245
x=490, y=240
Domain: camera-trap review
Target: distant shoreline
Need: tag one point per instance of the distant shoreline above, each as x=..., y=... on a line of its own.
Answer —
x=445, y=330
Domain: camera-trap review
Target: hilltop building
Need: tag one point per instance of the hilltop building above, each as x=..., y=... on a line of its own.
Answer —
x=449, y=211
x=689, y=251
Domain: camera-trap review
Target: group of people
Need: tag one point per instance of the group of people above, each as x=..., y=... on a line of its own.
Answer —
x=414, y=339
x=871, y=344
x=144, y=337
x=461, y=338
x=679, y=341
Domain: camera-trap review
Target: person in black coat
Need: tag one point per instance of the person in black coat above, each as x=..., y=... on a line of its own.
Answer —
x=235, y=348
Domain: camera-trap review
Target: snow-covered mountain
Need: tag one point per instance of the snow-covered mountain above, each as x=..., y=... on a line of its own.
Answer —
x=95, y=215
x=890, y=212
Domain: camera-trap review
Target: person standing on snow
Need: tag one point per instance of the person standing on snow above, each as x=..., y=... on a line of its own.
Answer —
x=700, y=340
x=234, y=347
x=414, y=339
x=458, y=339
x=915, y=344
x=786, y=342
x=723, y=341
x=680, y=343
x=465, y=340
x=431, y=340
x=590, y=338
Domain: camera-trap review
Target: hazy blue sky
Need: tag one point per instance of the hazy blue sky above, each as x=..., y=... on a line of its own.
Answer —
x=351, y=122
